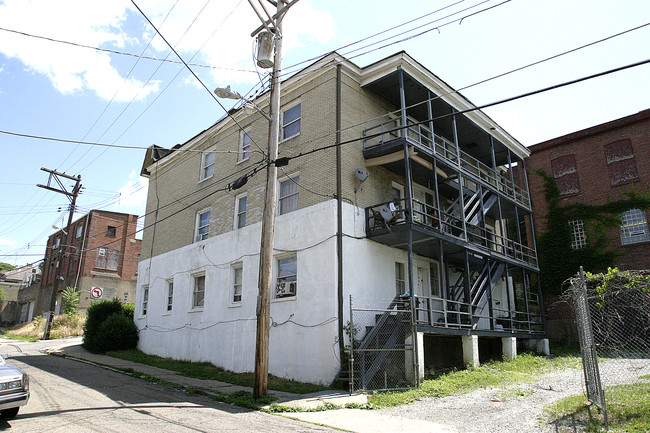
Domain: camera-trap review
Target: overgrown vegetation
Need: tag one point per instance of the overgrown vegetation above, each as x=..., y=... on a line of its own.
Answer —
x=628, y=409
x=205, y=370
x=109, y=326
x=62, y=327
x=557, y=260
x=522, y=369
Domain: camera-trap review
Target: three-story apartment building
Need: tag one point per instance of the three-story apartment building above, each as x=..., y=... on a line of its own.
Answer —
x=397, y=193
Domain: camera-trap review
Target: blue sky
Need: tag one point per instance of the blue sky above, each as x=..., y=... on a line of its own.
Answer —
x=51, y=89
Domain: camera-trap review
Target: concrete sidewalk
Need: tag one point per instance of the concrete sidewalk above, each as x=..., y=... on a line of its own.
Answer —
x=352, y=420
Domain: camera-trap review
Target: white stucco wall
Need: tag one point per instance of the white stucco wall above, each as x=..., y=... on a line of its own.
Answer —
x=305, y=328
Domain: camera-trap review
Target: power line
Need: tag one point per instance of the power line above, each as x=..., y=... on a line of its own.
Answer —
x=122, y=53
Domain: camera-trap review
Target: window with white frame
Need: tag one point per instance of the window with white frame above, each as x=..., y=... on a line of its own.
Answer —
x=291, y=122
x=237, y=272
x=288, y=197
x=578, y=235
x=80, y=229
x=57, y=242
x=208, y=160
x=400, y=279
x=198, y=291
x=170, y=294
x=202, y=226
x=240, y=211
x=244, y=146
x=634, y=227
x=287, y=280
x=145, y=299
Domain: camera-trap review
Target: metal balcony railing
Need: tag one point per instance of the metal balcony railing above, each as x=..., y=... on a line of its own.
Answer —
x=420, y=136
x=443, y=313
x=384, y=216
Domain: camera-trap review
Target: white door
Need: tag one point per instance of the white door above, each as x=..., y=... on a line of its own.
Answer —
x=423, y=291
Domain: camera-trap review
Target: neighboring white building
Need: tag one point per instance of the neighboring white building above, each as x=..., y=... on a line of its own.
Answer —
x=437, y=227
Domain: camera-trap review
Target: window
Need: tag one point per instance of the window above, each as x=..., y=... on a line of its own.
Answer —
x=145, y=299
x=107, y=258
x=621, y=163
x=207, y=164
x=565, y=173
x=400, y=280
x=202, y=226
x=634, y=227
x=80, y=229
x=57, y=242
x=291, y=122
x=237, y=283
x=110, y=231
x=244, y=146
x=578, y=236
x=240, y=211
x=434, y=279
x=288, y=201
x=170, y=294
x=287, y=281
x=198, y=291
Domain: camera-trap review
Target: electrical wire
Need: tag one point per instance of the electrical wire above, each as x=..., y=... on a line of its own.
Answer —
x=122, y=53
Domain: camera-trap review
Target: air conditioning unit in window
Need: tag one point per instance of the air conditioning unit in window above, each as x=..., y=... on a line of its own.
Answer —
x=284, y=289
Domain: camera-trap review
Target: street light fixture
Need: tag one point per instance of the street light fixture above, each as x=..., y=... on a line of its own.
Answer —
x=228, y=93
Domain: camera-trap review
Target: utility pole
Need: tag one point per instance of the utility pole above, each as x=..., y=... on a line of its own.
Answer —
x=72, y=196
x=274, y=26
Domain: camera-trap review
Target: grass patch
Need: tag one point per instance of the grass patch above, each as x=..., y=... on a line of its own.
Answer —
x=628, y=408
x=62, y=327
x=206, y=370
x=524, y=368
x=29, y=338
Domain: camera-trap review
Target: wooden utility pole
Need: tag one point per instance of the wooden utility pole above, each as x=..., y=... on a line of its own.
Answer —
x=274, y=26
x=72, y=196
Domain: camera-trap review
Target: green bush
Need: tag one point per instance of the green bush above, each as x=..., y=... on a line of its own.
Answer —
x=102, y=334
x=117, y=332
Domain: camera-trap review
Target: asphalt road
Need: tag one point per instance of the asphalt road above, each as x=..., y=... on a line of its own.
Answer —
x=70, y=396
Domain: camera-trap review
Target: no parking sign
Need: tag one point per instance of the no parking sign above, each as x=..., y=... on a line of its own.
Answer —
x=96, y=293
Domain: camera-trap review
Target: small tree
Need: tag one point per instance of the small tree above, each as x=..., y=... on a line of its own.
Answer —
x=70, y=298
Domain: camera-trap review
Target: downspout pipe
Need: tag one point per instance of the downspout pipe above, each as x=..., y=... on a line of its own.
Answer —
x=339, y=212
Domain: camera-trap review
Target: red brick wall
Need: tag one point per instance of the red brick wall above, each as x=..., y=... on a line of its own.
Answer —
x=588, y=147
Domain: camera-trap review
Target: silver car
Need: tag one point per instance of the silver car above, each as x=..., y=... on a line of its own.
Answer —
x=14, y=389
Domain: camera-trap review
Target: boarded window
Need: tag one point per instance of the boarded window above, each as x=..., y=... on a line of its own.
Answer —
x=621, y=162
x=565, y=173
x=107, y=258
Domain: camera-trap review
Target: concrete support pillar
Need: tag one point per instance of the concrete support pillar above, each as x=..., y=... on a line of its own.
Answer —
x=509, y=346
x=539, y=345
x=542, y=346
x=470, y=350
x=409, y=359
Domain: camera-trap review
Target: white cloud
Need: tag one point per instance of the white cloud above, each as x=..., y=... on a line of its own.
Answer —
x=220, y=33
x=70, y=69
x=8, y=243
x=133, y=195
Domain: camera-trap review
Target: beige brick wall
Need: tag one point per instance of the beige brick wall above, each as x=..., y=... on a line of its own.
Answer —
x=175, y=188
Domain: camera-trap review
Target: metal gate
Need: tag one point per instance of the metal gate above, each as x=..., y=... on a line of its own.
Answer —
x=382, y=348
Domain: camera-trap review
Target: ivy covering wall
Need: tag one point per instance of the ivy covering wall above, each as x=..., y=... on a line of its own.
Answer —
x=557, y=260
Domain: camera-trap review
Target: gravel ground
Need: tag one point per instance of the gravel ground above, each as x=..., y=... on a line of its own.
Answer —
x=517, y=408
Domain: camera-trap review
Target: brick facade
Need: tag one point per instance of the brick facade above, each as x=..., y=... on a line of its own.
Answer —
x=595, y=165
x=101, y=251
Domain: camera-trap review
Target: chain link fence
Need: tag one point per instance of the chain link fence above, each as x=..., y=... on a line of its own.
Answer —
x=613, y=323
x=381, y=343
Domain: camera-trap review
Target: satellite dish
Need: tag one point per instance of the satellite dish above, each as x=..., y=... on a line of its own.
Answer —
x=386, y=213
x=361, y=174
